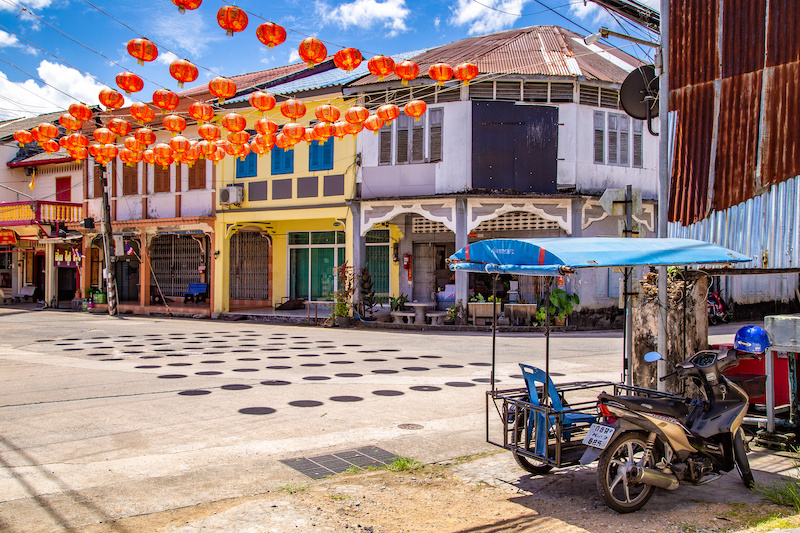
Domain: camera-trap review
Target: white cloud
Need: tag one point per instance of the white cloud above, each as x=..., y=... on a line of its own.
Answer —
x=6, y=39
x=294, y=57
x=391, y=14
x=29, y=4
x=436, y=22
x=190, y=36
x=500, y=15
x=165, y=58
x=34, y=97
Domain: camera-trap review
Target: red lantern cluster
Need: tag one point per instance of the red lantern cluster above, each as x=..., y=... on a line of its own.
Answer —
x=312, y=51
x=165, y=100
x=347, y=59
x=111, y=99
x=406, y=71
x=380, y=66
x=440, y=72
x=201, y=112
x=222, y=88
x=293, y=108
x=262, y=101
x=129, y=82
x=142, y=112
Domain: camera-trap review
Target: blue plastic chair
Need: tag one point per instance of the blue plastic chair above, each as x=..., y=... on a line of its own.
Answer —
x=534, y=377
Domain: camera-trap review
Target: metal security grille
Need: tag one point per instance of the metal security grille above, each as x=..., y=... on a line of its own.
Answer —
x=175, y=260
x=249, y=278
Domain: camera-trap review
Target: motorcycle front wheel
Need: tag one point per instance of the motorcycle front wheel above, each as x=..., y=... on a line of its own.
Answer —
x=612, y=481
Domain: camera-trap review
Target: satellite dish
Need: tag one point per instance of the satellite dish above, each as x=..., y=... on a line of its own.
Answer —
x=639, y=93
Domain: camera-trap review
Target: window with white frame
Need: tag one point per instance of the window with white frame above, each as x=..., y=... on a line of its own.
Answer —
x=408, y=141
x=613, y=142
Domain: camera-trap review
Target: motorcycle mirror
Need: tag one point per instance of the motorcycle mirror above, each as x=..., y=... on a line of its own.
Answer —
x=652, y=357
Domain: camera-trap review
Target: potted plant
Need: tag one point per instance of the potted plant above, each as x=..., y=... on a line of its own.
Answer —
x=480, y=307
x=561, y=305
x=399, y=303
x=343, y=294
x=450, y=318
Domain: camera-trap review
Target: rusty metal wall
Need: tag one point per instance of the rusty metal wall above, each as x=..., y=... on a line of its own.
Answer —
x=735, y=84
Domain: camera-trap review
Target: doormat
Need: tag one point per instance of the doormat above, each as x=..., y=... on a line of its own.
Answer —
x=327, y=465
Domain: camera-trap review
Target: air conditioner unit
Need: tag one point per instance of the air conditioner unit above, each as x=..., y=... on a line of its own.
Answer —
x=231, y=195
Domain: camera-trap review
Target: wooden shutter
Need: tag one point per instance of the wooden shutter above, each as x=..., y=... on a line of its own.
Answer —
x=197, y=175
x=624, y=140
x=599, y=138
x=436, y=117
x=613, y=140
x=63, y=189
x=638, y=155
x=160, y=178
x=385, y=140
x=402, y=145
x=97, y=184
x=417, y=142
x=130, y=180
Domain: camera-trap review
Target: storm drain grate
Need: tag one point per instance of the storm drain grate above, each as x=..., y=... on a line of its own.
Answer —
x=327, y=465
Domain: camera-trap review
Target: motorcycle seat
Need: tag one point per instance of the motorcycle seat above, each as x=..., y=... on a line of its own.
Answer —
x=662, y=406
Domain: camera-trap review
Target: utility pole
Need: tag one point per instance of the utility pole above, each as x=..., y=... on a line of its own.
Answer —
x=663, y=188
x=111, y=280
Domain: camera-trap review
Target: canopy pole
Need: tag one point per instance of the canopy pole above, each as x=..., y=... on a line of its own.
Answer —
x=546, y=387
x=628, y=330
x=494, y=324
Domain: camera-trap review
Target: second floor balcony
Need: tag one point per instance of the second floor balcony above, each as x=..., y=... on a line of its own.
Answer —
x=39, y=212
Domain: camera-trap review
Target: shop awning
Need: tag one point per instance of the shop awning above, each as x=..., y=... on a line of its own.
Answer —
x=553, y=257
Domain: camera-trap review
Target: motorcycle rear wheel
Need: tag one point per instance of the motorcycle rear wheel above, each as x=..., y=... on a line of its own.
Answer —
x=537, y=468
x=620, y=495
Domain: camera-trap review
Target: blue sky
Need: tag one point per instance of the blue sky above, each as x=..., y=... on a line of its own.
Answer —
x=56, y=52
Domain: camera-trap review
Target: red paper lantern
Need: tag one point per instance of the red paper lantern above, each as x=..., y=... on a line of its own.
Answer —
x=440, y=72
x=119, y=126
x=77, y=140
x=201, y=112
x=134, y=157
x=23, y=136
x=293, y=108
x=262, y=101
x=339, y=130
x=324, y=130
x=145, y=136
x=174, y=123
x=142, y=112
x=80, y=153
x=356, y=114
x=104, y=136
x=111, y=99
x=282, y=142
x=209, y=132
x=352, y=128
x=51, y=146
x=149, y=156
x=164, y=161
x=466, y=72
x=48, y=130
x=347, y=59
x=123, y=156
x=179, y=143
x=232, y=19
x=271, y=34
x=129, y=82
x=234, y=122
x=80, y=111
x=238, y=137
x=245, y=151
x=183, y=71
x=388, y=112
x=259, y=149
x=312, y=51
x=69, y=122
x=183, y=5
x=266, y=127
x=206, y=148
x=64, y=141
x=415, y=108
x=327, y=113
x=233, y=148
x=267, y=141
x=222, y=88
x=38, y=136
x=309, y=136
x=380, y=66
x=162, y=150
x=217, y=156
x=373, y=123
x=406, y=71
x=143, y=50
x=165, y=100
x=293, y=131
x=94, y=150
x=108, y=151
x=133, y=145
x=193, y=153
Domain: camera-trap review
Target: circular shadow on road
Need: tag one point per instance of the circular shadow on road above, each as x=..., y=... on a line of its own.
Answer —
x=386, y=371
x=346, y=398
x=257, y=411
x=425, y=388
x=245, y=370
x=415, y=368
x=375, y=360
x=313, y=364
x=179, y=364
x=276, y=382
x=348, y=375
x=387, y=393
x=208, y=373
x=480, y=364
x=172, y=376
x=459, y=384
x=236, y=387
x=197, y=392
x=316, y=378
x=451, y=366
x=431, y=356
x=305, y=403
x=279, y=367
x=148, y=366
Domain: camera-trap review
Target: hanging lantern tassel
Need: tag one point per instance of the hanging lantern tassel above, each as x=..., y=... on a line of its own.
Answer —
x=33, y=177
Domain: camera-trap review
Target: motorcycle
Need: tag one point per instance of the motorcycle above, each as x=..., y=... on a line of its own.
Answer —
x=717, y=309
x=669, y=440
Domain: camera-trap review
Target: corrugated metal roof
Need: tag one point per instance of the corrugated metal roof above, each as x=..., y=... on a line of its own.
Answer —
x=8, y=127
x=42, y=158
x=246, y=81
x=542, y=50
x=328, y=78
x=735, y=82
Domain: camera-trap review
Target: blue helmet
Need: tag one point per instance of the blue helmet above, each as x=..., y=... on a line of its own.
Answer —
x=751, y=339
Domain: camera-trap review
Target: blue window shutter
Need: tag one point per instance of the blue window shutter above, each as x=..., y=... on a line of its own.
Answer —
x=313, y=156
x=327, y=154
x=277, y=161
x=252, y=164
x=288, y=161
x=240, y=168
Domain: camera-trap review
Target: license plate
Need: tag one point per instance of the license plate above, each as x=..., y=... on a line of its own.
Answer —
x=599, y=436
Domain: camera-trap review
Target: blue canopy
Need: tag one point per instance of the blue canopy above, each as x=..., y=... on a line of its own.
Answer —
x=553, y=257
